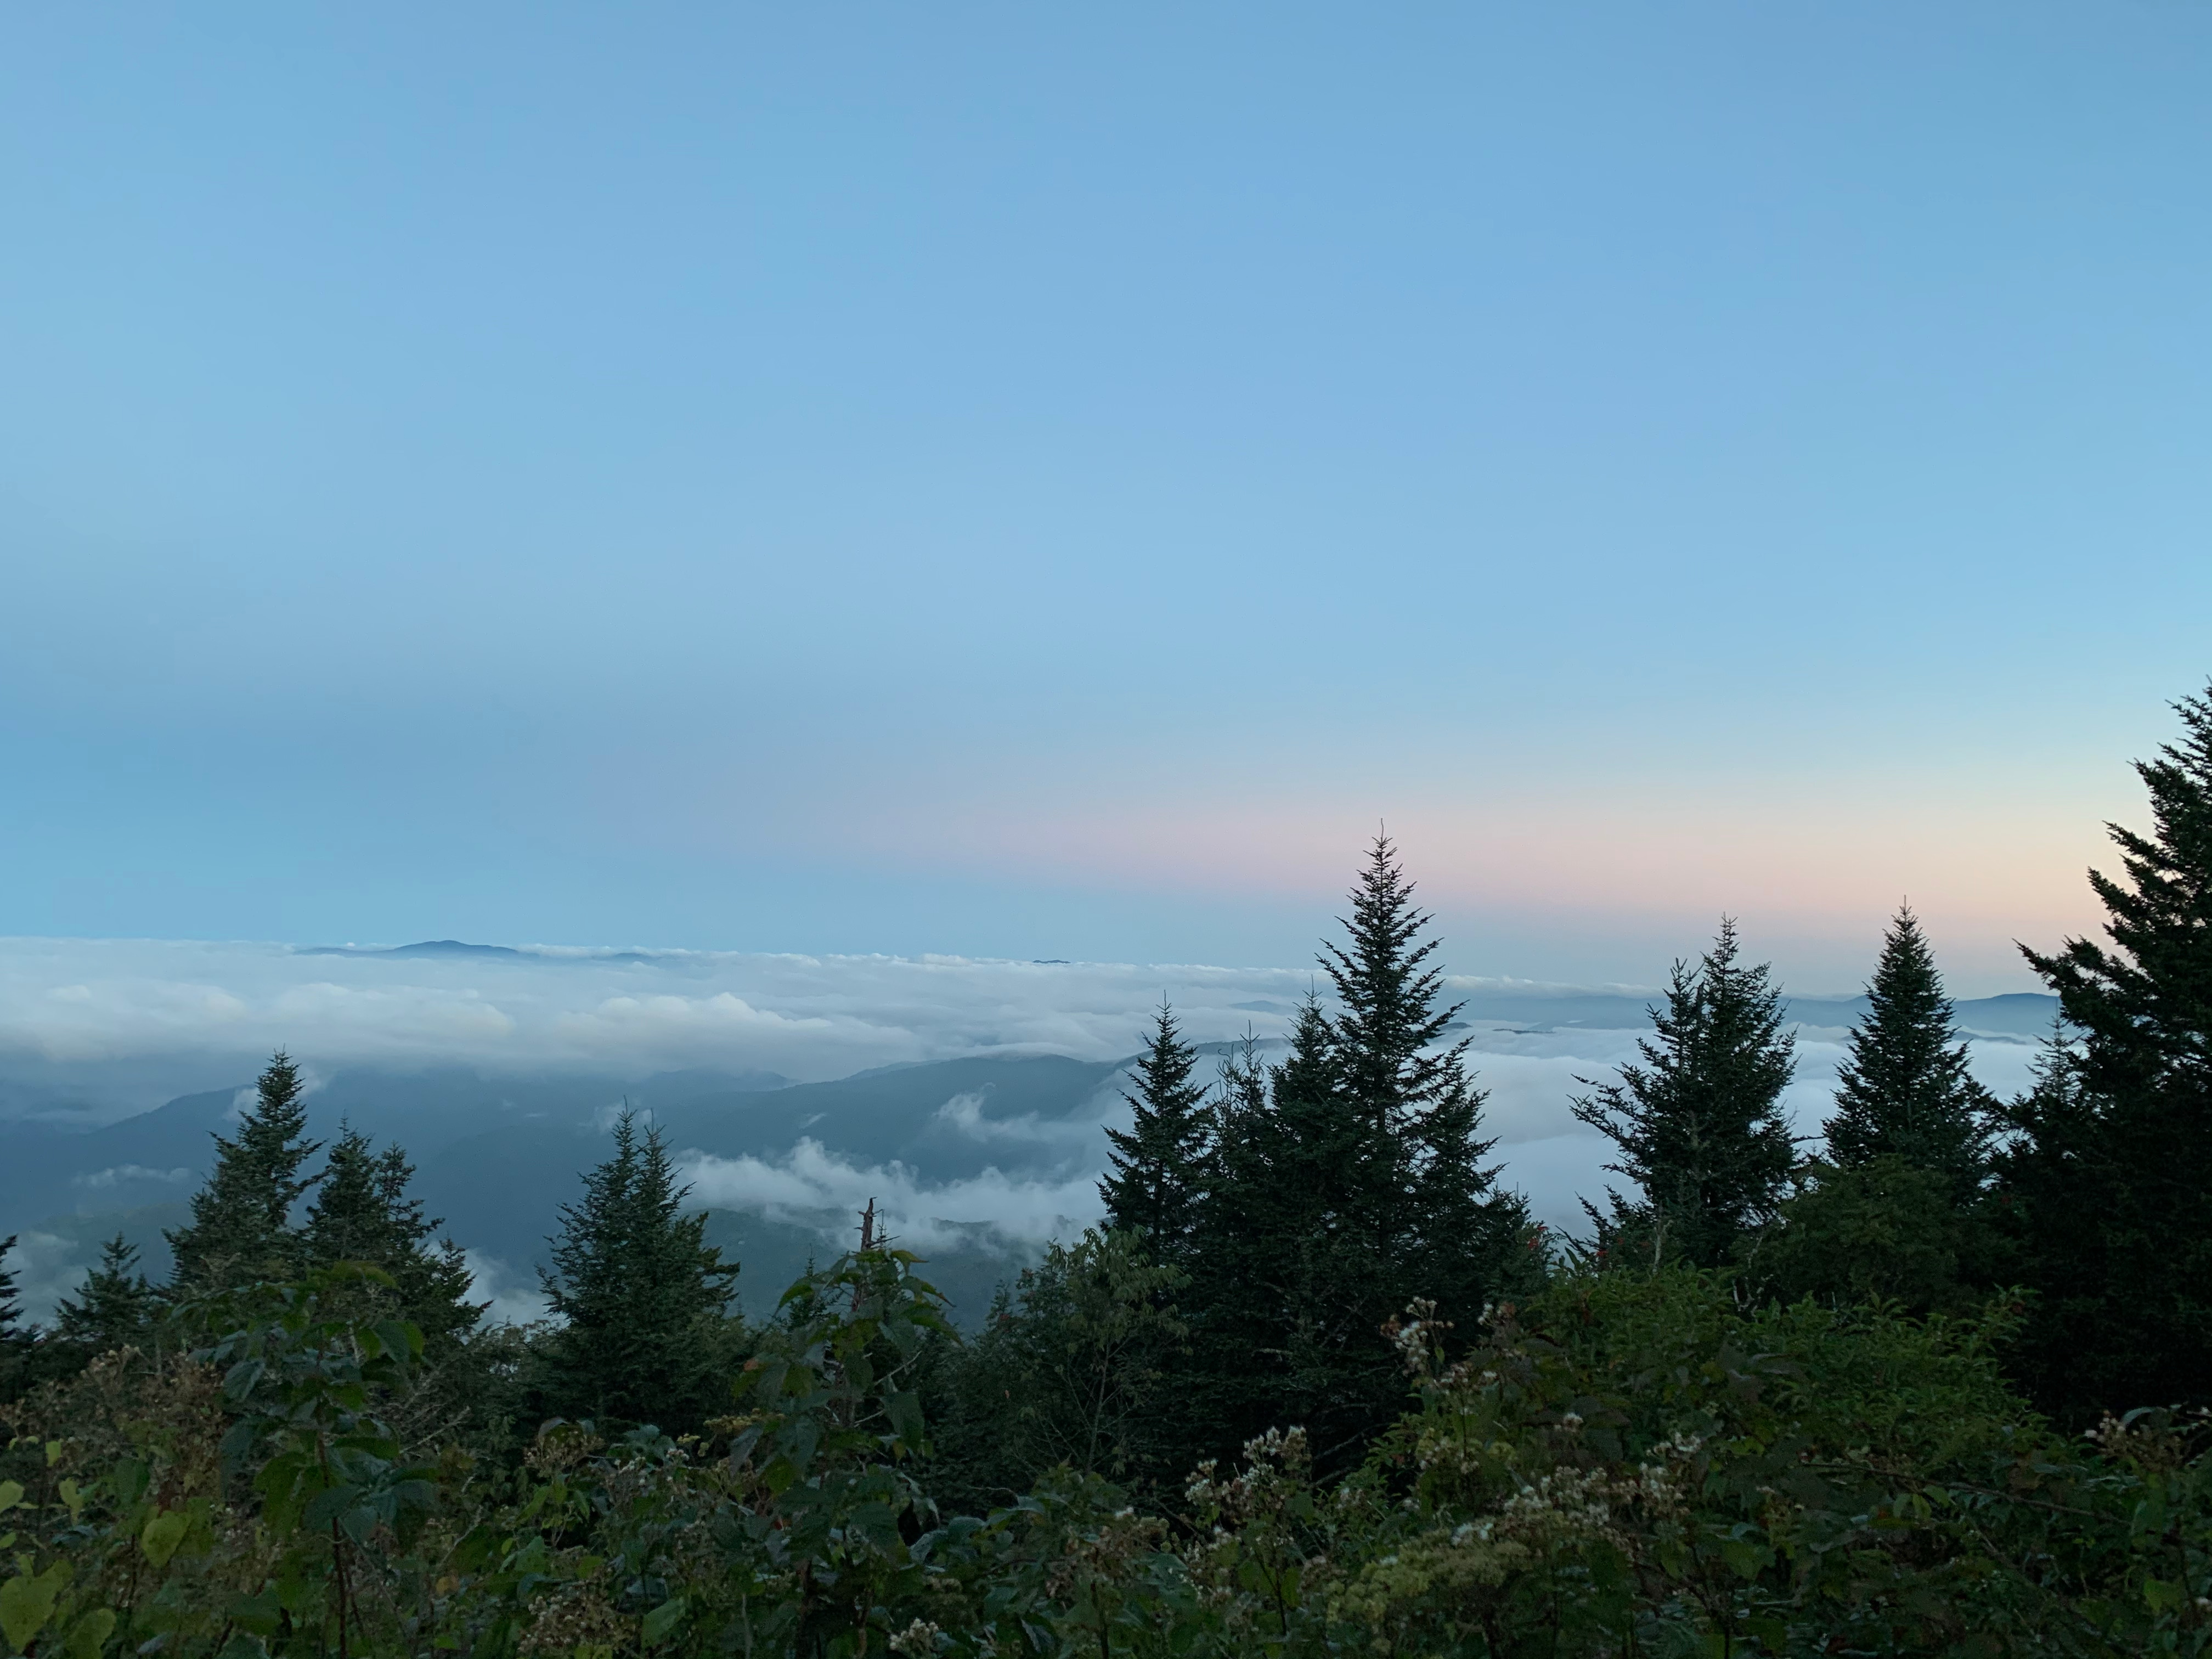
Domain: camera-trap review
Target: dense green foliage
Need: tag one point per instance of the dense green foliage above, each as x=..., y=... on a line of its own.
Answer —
x=1632, y=1461
x=1319, y=1389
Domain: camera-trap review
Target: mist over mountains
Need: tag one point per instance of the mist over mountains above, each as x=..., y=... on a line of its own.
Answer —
x=968, y=1097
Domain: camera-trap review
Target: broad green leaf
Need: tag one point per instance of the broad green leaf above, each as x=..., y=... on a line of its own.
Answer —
x=903, y=1408
x=27, y=1602
x=128, y=1479
x=664, y=1618
x=162, y=1535
x=328, y=1506
x=11, y=1493
x=89, y=1634
x=262, y=1615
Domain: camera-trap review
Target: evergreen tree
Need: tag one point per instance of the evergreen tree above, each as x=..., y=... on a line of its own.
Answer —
x=2108, y=1187
x=240, y=1229
x=17, y=1342
x=1069, y=1369
x=1904, y=1090
x=363, y=1212
x=642, y=1297
x=1460, y=1240
x=1158, y=1179
x=1351, y=1185
x=1295, y=1280
x=114, y=1308
x=1699, y=1124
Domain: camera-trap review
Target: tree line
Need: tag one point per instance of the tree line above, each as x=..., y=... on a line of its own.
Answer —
x=1937, y=1382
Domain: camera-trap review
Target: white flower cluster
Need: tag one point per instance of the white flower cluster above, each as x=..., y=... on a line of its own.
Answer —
x=916, y=1639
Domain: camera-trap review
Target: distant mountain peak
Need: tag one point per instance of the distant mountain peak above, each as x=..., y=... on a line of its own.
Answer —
x=429, y=947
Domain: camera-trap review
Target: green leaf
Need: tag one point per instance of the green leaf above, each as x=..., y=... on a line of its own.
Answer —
x=903, y=1408
x=129, y=1480
x=664, y=1619
x=27, y=1602
x=328, y=1506
x=162, y=1535
x=262, y=1615
x=90, y=1634
x=1747, y=1560
x=11, y=1493
x=242, y=1378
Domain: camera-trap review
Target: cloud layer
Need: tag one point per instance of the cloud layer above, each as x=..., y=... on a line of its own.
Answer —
x=100, y=1029
x=156, y=1010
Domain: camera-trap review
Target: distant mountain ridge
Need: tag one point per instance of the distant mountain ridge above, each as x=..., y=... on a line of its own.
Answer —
x=458, y=949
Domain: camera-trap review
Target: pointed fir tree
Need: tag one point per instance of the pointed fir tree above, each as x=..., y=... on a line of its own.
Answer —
x=1461, y=1239
x=640, y=1296
x=240, y=1232
x=1904, y=1089
x=2143, y=1004
x=364, y=1211
x=1699, y=1125
x=1358, y=1186
x=114, y=1308
x=1158, y=1180
x=2108, y=1186
x=18, y=1343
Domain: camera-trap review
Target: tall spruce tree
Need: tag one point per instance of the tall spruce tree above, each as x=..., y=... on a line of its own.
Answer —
x=240, y=1229
x=114, y=1308
x=1353, y=1184
x=1442, y=1218
x=364, y=1211
x=641, y=1295
x=2109, y=1184
x=1699, y=1124
x=1158, y=1178
x=1904, y=1089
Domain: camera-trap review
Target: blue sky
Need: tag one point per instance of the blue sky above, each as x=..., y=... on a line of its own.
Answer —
x=1028, y=481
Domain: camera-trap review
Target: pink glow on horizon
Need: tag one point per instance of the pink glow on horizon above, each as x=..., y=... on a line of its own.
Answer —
x=1822, y=873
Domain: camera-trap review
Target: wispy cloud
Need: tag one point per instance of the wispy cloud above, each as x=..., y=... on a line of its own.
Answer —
x=46, y=1268
x=102, y=1179
x=511, y=1298
x=812, y=1187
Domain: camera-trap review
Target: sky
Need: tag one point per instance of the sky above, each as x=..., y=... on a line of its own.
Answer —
x=1039, y=482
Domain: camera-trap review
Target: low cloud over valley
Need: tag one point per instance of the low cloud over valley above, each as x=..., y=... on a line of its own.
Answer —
x=969, y=1098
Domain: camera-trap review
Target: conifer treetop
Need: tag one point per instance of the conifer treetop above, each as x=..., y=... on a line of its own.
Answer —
x=1699, y=1125
x=2145, y=1003
x=1904, y=1089
x=241, y=1229
x=115, y=1304
x=1389, y=1020
x=1158, y=1178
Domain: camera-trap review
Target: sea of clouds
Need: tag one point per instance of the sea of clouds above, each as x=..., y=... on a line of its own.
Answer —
x=93, y=1030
